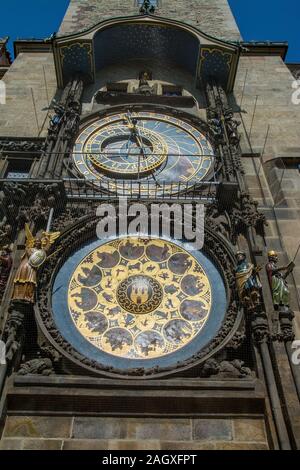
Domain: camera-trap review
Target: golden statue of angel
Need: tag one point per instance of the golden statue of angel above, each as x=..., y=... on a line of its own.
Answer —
x=33, y=258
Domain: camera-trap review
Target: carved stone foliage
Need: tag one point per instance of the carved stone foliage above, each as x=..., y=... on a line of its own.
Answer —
x=72, y=239
x=45, y=363
x=21, y=146
x=67, y=218
x=30, y=202
x=286, y=317
x=237, y=219
x=224, y=130
x=225, y=369
x=219, y=220
x=237, y=340
x=14, y=330
x=40, y=366
x=67, y=112
x=5, y=268
x=259, y=325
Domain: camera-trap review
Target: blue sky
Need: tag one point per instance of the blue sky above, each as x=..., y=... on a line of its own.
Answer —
x=270, y=20
x=274, y=20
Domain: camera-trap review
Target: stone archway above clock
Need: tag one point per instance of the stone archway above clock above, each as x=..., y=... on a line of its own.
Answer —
x=142, y=37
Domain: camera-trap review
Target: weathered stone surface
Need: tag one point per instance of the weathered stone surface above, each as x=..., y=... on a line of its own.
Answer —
x=240, y=446
x=211, y=16
x=37, y=427
x=11, y=444
x=252, y=430
x=99, y=428
x=268, y=78
x=168, y=429
x=134, y=445
x=212, y=429
x=132, y=429
x=87, y=444
x=42, y=444
x=26, y=73
x=187, y=445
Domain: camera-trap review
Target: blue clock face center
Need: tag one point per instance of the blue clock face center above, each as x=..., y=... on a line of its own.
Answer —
x=126, y=148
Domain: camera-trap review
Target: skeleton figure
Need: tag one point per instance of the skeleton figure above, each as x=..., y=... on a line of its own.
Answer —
x=34, y=257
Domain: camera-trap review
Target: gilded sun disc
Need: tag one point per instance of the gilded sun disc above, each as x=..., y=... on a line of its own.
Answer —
x=139, y=294
x=139, y=298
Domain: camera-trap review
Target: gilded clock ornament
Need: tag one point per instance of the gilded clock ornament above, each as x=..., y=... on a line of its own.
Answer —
x=139, y=298
x=35, y=255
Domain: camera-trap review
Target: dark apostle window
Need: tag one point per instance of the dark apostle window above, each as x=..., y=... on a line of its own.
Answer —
x=171, y=90
x=18, y=169
x=117, y=87
x=292, y=163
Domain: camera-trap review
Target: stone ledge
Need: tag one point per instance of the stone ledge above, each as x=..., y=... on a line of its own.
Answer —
x=94, y=445
x=95, y=383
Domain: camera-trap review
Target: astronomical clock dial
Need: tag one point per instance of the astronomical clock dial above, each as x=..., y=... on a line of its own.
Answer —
x=144, y=146
x=138, y=301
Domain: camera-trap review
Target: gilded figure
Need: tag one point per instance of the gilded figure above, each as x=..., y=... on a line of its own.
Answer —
x=34, y=257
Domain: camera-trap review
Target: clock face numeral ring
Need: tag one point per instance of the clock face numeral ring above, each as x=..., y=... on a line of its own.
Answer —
x=128, y=155
x=156, y=148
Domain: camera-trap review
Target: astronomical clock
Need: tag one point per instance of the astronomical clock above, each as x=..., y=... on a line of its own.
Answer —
x=134, y=303
x=146, y=146
x=138, y=305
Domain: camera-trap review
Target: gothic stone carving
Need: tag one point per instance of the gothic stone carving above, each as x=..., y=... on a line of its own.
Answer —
x=244, y=215
x=21, y=146
x=40, y=366
x=30, y=202
x=14, y=331
x=225, y=369
x=5, y=268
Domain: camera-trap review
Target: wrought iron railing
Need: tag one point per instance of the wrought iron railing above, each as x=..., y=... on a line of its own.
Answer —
x=84, y=189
